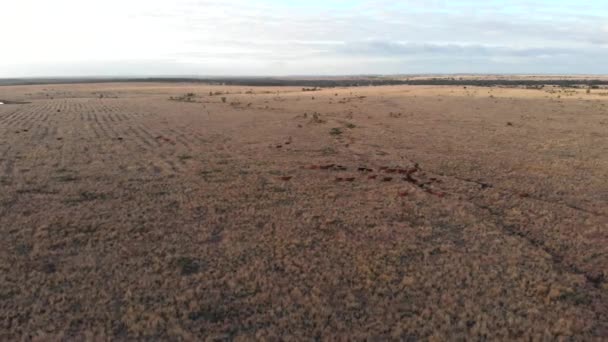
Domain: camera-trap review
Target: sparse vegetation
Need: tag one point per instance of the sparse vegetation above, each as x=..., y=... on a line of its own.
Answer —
x=67, y=178
x=328, y=151
x=86, y=196
x=335, y=131
x=188, y=265
x=316, y=118
x=189, y=97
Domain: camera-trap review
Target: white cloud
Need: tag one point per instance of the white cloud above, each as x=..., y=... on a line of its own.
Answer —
x=44, y=37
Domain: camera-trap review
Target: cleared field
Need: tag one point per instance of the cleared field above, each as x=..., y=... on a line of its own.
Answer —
x=181, y=211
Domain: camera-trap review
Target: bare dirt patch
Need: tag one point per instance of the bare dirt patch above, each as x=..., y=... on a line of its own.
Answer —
x=9, y=102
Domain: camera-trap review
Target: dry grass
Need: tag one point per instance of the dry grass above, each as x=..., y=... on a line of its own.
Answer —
x=473, y=217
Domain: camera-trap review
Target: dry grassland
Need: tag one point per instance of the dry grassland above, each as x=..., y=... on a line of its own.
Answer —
x=183, y=211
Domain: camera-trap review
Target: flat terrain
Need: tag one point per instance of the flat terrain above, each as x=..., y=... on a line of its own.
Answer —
x=140, y=211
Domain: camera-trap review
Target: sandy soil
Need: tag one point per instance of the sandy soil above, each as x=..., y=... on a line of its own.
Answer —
x=384, y=212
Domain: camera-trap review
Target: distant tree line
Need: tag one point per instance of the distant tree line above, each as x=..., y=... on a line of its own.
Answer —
x=325, y=83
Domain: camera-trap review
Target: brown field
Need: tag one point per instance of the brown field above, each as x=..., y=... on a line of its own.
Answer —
x=404, y=212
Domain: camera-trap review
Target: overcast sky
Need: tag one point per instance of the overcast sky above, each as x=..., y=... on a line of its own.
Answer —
x=297, y=37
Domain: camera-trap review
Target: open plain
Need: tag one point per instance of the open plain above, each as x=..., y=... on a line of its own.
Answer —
x=189, y=211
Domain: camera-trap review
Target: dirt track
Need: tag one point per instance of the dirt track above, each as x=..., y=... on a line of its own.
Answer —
x=383, y=212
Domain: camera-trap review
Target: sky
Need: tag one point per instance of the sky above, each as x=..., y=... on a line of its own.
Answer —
x=296, y=37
